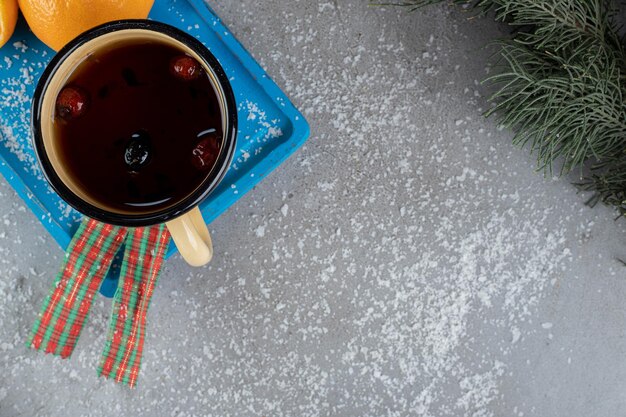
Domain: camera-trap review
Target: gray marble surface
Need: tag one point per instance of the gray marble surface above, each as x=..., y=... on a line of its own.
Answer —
x=408, y=261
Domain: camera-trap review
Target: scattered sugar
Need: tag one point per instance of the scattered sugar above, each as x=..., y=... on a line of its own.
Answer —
x=271, y=128
x=15, y=95
x=394, y=266
x=516, y=334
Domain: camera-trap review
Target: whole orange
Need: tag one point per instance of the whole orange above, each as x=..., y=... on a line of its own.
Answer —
x=56, y=22
x=8, y=17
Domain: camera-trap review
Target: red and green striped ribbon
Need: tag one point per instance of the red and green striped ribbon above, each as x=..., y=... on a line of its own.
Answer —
x=65, y=310
x=145, y=249
x=87, y=260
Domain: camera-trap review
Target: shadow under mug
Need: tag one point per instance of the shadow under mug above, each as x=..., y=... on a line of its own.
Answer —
x=183, y=217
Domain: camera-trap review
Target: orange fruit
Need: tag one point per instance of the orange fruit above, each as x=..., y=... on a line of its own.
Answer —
x=56, y=22
x=8, y=18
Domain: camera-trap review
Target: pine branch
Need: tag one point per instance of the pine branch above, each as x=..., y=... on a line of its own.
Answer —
x=608, y=182
x=561, y=87
x=568, y=108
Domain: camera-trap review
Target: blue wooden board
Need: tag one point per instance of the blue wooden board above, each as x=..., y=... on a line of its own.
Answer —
x=270, y=127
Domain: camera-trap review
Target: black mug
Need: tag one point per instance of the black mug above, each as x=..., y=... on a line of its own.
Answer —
x=183, y=218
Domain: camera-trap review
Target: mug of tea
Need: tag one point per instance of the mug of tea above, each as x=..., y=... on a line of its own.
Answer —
x=134, y=124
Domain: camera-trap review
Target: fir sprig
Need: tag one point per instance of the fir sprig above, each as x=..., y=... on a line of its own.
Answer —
x=561, y=87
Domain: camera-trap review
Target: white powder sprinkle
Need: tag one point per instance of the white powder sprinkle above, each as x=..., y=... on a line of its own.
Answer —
x=394, y=266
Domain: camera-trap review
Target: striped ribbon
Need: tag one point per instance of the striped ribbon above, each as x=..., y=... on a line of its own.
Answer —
x=145, y=249
x=86, y=262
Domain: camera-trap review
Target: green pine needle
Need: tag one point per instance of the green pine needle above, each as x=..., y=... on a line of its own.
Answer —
x=561, y=86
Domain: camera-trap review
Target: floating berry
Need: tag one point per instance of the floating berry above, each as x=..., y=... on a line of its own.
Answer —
x=137, y=153
x=72, y=102
x=205, y=153
x=185, y=67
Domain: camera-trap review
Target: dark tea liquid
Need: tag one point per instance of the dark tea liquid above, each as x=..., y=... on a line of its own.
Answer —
x=145, y=137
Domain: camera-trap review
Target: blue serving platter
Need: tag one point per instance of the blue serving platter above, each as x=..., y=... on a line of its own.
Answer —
x=270, y=127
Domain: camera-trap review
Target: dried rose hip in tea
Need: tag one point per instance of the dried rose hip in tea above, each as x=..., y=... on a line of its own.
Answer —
x=72, y=102
x=205, y=153
x=137, y=153
x=185, y=67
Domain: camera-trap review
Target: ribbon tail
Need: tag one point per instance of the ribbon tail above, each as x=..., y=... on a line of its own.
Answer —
x=143, y=258
x=87, y=259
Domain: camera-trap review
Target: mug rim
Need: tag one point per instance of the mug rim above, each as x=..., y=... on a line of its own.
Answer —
x=186, y=204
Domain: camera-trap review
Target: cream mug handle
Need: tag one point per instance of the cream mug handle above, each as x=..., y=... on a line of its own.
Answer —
x=192, y=237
